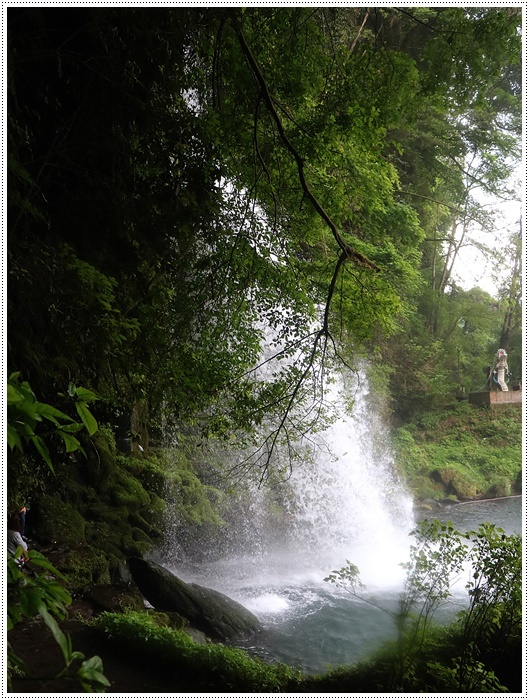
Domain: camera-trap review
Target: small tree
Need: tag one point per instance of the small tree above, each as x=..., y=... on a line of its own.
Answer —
x=483, y=634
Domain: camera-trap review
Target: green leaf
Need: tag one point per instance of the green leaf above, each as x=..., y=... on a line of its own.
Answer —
x=71, y=443
x=13, y=438
x=91, y=671
x=43, y=450
x=72, y=428
x=61, y=639
x=13, y=396
x=87, y=418
x=85, y=394
x=38, y=559
x=51, y=413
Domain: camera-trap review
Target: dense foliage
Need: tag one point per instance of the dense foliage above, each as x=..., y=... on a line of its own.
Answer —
x=175, y=191
x=212, y=667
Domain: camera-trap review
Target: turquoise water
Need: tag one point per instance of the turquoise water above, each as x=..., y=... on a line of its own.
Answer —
x=503, y=512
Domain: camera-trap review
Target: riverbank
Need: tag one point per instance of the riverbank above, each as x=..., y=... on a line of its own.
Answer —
x=462, y=454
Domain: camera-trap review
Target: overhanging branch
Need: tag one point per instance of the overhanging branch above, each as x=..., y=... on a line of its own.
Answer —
x=270, y=103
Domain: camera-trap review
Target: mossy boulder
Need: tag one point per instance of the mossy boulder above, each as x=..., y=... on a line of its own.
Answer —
x=138, y=535
x=500, y=488
x=85, y=567
x=214, y=613
x=155, y=511
x=106, y=538
x=168, y=619
x=58, y=521
x=444, y=476
x=466, y=489
x=105, y=598
x=134, y=547
x=458, y=481
x=114, y=516
x=128, y=491
x=136, y=520
x=147, y=469
x=425, y=489
x=82, y=565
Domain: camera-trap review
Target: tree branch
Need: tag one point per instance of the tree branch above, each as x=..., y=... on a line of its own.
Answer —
x=351, y=254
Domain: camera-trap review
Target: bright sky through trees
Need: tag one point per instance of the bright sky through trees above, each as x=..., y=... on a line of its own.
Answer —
x=473, y=267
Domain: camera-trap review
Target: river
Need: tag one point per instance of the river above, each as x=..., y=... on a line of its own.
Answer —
x=313, y=625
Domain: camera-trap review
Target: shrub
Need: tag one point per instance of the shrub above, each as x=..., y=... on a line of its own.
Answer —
x=481, y=650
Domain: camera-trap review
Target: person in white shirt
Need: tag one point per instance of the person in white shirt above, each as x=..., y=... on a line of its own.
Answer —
x=14, y=539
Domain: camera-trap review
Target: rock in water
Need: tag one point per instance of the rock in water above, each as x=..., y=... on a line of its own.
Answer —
x=210, y=611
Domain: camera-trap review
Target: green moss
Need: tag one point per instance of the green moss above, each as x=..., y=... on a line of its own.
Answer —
x=137, y=521
x=500, y=488
x=139, y=536
x=128, y=491
x=154, y=512
x=59, y=521
x=196, y=503
x=105, y=537
x=86, y=566
x=424, y=488
x=470, y=451
x=210, y=666
x=168, y=619
x=465, y=487
x=148, y=470
x=134, y=548
x=101, y=512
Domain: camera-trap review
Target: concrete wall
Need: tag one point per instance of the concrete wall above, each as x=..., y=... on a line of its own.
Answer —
x=492, y=398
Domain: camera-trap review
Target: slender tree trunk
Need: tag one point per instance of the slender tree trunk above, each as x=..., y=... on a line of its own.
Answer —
x=513, y=297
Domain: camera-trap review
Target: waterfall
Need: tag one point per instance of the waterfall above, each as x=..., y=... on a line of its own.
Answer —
x=349, y=502
x=344, y=502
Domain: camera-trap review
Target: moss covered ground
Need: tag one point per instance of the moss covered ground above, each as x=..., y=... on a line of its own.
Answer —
x=463, y=452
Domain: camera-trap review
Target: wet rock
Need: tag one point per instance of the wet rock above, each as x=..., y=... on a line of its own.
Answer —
x=211, y=612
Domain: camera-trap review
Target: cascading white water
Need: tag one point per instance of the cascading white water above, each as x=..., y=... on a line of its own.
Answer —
x=349, y=503
x=345, y=502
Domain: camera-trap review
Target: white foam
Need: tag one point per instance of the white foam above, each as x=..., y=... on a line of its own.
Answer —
x=267, y=603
